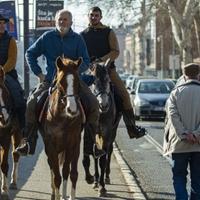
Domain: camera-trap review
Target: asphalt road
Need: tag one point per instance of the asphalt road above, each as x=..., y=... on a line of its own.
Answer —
x=151, y=170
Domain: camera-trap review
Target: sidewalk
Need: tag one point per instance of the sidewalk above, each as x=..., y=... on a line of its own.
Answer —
x=34, y=180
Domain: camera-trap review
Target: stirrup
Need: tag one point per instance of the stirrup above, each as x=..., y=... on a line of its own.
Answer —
x=23, y=150
x=98, y=152
x=140, y=131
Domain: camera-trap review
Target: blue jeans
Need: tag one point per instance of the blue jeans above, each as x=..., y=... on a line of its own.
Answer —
x=179, y=170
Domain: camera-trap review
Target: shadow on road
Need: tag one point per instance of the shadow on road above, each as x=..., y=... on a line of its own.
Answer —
x=26, y=166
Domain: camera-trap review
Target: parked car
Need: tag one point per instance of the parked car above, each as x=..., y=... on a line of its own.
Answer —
x=131, y=87
x=151, y=96
x=130, y=79
x=124, y=77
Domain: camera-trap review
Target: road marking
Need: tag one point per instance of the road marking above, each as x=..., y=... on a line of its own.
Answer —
x=158, y=147
x=133, y=186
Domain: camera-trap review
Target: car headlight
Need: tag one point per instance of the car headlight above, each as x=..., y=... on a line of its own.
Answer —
x=140, y=102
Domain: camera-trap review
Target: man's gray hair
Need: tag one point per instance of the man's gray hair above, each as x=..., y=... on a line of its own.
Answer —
x=63, y=11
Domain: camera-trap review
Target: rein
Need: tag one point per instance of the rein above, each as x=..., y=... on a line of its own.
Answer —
x=101, y=92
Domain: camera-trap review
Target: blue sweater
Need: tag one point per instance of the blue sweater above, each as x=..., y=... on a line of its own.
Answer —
x=51, y=45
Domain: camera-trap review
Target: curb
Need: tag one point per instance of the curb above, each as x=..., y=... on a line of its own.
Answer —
x=129, y=178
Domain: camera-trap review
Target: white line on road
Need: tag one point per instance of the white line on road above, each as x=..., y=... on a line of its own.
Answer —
x=158, y=147
x=128, y=176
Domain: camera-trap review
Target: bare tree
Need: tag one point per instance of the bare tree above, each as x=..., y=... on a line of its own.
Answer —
x=146, y=14
x=181, y=15
x=197, y=30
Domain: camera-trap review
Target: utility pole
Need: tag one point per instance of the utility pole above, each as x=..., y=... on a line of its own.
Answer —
x=162, y=56
x=26, y=44
x=173, y=54
x=160, y=40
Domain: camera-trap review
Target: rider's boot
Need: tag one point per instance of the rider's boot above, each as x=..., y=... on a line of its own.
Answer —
x=30, y=141
x=97, y=147
x=129, y=120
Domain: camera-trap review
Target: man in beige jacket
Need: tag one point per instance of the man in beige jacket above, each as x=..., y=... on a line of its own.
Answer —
x=182, y=135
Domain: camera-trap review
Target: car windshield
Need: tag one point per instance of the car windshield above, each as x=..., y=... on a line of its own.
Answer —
x=155, y=87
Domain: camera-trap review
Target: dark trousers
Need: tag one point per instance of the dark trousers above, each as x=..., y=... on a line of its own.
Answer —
x=17, y=95
x=180, y=171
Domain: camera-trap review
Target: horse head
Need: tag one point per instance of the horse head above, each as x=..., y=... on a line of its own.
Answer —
x=5, y=106
x=101, y=87
x=65, y=97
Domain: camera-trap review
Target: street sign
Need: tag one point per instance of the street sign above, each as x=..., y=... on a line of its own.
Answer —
x=45, y=12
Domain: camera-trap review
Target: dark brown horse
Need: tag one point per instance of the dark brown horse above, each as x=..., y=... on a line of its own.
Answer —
x=61, y=128
x=109, y=119
x=9, y=133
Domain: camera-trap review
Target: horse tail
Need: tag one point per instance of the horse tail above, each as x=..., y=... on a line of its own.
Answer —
x=61, y=158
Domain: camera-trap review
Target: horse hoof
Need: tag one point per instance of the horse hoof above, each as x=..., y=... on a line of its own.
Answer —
x=71, y=198
x=89, y=179
x=13, y=186
x=102, y=192
x=95, y=185
x=4, y=196
x=53, y=197
x=107, y=180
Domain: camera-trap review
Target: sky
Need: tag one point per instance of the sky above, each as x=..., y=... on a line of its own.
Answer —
x=79, y=14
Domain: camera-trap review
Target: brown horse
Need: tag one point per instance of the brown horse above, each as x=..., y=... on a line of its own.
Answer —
x=61, y=127
x=9, y=133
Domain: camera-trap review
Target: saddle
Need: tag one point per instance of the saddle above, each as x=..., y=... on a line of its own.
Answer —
x=42, y=104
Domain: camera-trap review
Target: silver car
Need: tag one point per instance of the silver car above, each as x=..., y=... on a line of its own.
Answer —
x=150, y=97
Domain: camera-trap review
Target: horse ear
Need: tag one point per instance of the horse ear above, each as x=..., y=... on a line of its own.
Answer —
x=80, y=60
x=59, y=62
x=2, y=73
x=107, y=63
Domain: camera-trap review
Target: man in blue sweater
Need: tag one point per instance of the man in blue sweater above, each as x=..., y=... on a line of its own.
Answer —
x=64, y=42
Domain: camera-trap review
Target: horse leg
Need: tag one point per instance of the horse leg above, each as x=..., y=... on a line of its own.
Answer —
x=55, y=175
x=102, y=163
x=74, y=170
x=107, y=178
x=16, y=138
x=87, y=151
x=53, y=187
x=65, y=174
x=86, y=164
x=4, y=169
x=96, y=173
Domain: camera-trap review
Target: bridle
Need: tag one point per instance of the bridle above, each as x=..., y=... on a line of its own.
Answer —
x=63, y=93
x=100, y=93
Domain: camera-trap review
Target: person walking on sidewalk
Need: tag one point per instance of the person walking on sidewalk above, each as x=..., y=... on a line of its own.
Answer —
x=102, y=44
x=64, y=42
x=8, y=58
x=182, y=135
